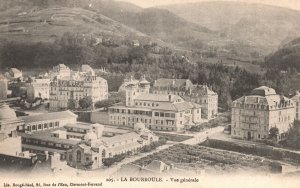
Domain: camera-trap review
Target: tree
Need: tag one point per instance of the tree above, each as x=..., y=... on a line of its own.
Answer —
x=71, y=104
x=293, y=136
x=86, y=102
x=273, y=133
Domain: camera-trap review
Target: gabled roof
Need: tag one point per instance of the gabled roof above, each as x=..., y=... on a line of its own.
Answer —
x=202, y=90
x=15, y=71
x=156, y=166
x=48, y=116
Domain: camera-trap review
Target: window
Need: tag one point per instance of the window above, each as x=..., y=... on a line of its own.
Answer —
x=39, y=126
x=78, y=156
x=156, y=114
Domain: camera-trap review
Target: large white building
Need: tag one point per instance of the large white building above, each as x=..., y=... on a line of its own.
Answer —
x=95, y=147
x=38, y=88
x=75, y=87
x=200, y=94
x=60, y=71
x=296, y=99
x=254, y=115
x=157, y=111
x=3, y=87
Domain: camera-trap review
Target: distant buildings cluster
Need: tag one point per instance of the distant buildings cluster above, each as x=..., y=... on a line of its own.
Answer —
x=166, y=112
x=82, y=145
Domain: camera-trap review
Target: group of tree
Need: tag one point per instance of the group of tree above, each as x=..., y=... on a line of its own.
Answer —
x=113, y=99
x=115, y=159
x=229, y=82
x=84, y=103
x=153, y=145
x=293, y=136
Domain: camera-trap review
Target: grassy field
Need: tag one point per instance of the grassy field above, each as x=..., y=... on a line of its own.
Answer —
x=173, y=137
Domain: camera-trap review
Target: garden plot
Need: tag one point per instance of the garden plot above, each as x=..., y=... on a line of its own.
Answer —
x=215, y=161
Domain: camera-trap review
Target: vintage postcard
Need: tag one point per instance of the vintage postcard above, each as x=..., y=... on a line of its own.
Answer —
x=149, y=93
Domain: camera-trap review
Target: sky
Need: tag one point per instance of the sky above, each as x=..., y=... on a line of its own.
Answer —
x=293, y=4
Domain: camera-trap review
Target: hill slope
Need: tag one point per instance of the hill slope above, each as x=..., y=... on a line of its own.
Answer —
x=254, y=25
x=287, y=57
x=48, y=24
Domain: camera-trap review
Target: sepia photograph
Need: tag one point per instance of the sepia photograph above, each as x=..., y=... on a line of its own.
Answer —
x=150, y=93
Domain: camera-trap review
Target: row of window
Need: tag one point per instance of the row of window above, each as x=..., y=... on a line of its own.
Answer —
x=42, y=126
x=44, y=143
x=146, y=104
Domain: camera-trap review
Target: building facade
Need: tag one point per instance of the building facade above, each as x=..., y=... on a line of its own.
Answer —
x=254, y=115
x=76, y=87
x=200, y=94
x=296, y=99
x=46, y=121
x=3, y=87
x=95, y=148
x=60, y=71
x=157, y=111
x=38, y=88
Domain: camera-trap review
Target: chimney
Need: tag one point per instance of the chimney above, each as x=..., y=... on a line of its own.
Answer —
x=46, y=155
x=14, y=134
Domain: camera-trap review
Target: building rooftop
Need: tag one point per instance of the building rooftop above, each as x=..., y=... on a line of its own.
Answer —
x=15, y=71
x=46, y=136
x=263, y=91
x=158, y=98
x=88, y=126
x=48, y=116
x=120, y=138
x=6, y=113
x=164, y=82
x=266, y=96
x=202, y=90
x=156, y=166
x=177, y=107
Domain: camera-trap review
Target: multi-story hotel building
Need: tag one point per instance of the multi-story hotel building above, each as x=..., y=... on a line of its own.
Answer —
x=157, y=111
x=254, y=115
x=38, y=88
x=296, y=99
x=200, y=94
x=3, y=87
x=75, y=88
x=60, y=71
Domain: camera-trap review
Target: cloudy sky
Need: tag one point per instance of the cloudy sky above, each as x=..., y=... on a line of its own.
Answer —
x=293, y=4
